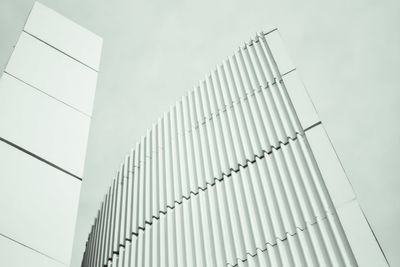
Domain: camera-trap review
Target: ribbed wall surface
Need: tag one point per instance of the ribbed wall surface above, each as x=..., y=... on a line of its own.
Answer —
x=226, y=177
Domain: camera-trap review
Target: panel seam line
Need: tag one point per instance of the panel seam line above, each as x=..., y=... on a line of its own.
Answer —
x=28, y=247
x=59, y=50
x=39, y=158
x=47, y=94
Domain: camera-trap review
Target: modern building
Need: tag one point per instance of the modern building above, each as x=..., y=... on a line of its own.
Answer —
x=239, y=172
x=46, y=98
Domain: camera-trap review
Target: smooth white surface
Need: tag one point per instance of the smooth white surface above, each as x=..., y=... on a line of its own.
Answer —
x=43, y=125
x=279, y=53
x=360, y=237
x=16, y=255
x=64, y=34
x=54, y=73
x=38, y=205
x=332, y=172
x=301, y=101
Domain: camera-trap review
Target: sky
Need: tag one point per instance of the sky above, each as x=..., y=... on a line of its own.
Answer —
x=347, y=53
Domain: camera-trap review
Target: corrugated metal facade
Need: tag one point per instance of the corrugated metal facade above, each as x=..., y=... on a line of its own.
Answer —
x=226, y=177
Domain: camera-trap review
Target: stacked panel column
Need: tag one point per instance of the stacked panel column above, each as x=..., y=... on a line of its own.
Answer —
x=46, y=99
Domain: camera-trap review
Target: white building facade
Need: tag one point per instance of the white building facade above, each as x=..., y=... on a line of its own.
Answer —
x=46, y=99
x=239, y=172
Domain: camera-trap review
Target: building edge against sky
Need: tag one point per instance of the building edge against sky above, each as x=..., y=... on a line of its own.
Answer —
x=239, y=172
x=46, y=98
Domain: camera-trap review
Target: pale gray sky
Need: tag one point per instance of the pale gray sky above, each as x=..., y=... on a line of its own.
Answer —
x=347, y=52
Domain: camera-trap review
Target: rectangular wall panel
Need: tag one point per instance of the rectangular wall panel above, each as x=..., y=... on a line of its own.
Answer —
x=278, y=50
x=299, y=97
x=43, y=125
x=38, y=203
x=335, y=179
x=52, y=28
x=53, y=72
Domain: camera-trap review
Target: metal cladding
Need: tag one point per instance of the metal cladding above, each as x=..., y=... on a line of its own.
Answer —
x=228, y=177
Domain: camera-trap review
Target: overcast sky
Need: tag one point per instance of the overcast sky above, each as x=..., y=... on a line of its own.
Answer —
x=347, y=53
